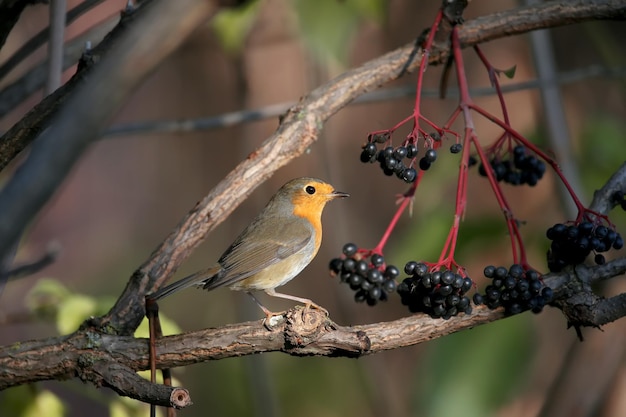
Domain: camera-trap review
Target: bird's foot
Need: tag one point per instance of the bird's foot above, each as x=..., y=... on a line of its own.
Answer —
x=272, y=319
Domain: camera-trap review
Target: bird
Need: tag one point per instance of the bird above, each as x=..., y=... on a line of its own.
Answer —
x=273, y=249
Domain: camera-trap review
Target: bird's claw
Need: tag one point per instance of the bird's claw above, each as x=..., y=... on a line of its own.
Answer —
x=272, y=319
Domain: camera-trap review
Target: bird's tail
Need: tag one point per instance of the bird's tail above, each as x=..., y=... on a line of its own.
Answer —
x=196, y=279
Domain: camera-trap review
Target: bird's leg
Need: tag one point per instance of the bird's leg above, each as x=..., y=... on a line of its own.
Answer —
x=268, y=314
x=307, y=303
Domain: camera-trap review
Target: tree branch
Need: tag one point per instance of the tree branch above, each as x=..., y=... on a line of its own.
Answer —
x=314, y=334
x=383, y=94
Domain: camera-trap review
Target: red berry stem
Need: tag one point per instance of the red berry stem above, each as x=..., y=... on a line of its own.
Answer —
x=465, y=105
x=555, y=166
x=407, y=198
x=420, y=73
x=491, y=71
x=447, y=254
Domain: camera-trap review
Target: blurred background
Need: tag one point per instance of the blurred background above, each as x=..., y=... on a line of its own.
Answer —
x=130, y=190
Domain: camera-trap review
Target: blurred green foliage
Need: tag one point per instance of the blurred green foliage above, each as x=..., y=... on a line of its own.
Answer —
x=325, y=26
x=49, y=299
x=480, y=369
x=28, y=401
x=232, y=25
x=601, y=150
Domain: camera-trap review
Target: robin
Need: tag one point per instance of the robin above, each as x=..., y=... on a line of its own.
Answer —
x=279, y=243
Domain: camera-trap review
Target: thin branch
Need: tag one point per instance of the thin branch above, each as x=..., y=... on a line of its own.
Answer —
x=33, y=80
x=554, y=115
x=20, y=135
x=40, y=38
x=10, y=11
x=126, y=382
x=383, y=94
x=153, y=36
x=55, y=44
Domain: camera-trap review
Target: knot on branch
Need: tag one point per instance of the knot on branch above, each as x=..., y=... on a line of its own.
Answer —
x=304, y=326
x=311, y=332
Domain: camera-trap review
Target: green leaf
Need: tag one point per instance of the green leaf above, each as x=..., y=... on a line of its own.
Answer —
x=167, y=325
x=509, y=73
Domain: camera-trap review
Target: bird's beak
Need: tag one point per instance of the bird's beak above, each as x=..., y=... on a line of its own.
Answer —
x=338, y=194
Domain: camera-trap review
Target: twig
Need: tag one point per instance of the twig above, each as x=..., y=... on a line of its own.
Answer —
x=558, y=131
x=155, y=34
x=384, y=94
x=30, y=82
x=40, y=38
x=55, y=44
x=10, y=12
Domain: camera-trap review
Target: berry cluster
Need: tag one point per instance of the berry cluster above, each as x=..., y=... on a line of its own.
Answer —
x=367, y=275
x=392, y=160
x=522, y=169
x=515, y=289
x=400, y=160
x=437, y=293
x=572, y=243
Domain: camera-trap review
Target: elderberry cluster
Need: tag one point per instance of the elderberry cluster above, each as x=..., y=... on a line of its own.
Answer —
x=522, y=169
x=368, y=276
x=438, y=293
x=571, y=244
x=515, y=289
x=392, y=160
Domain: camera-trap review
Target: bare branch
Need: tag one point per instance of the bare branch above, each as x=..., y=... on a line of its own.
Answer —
x=314, y=334
x=383, y=94
x=126, y=382
x=10, y=11
x=40, y=38
x=26, y=269
x=33, y=80
x=154, y=35
x=75, y=355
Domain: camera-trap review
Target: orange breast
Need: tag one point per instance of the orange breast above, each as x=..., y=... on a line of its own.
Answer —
x=310, y=209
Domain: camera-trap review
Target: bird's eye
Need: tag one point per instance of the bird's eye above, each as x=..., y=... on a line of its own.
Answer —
x=310, y=189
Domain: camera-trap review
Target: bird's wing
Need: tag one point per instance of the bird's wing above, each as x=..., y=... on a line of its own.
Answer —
x=248, y=256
